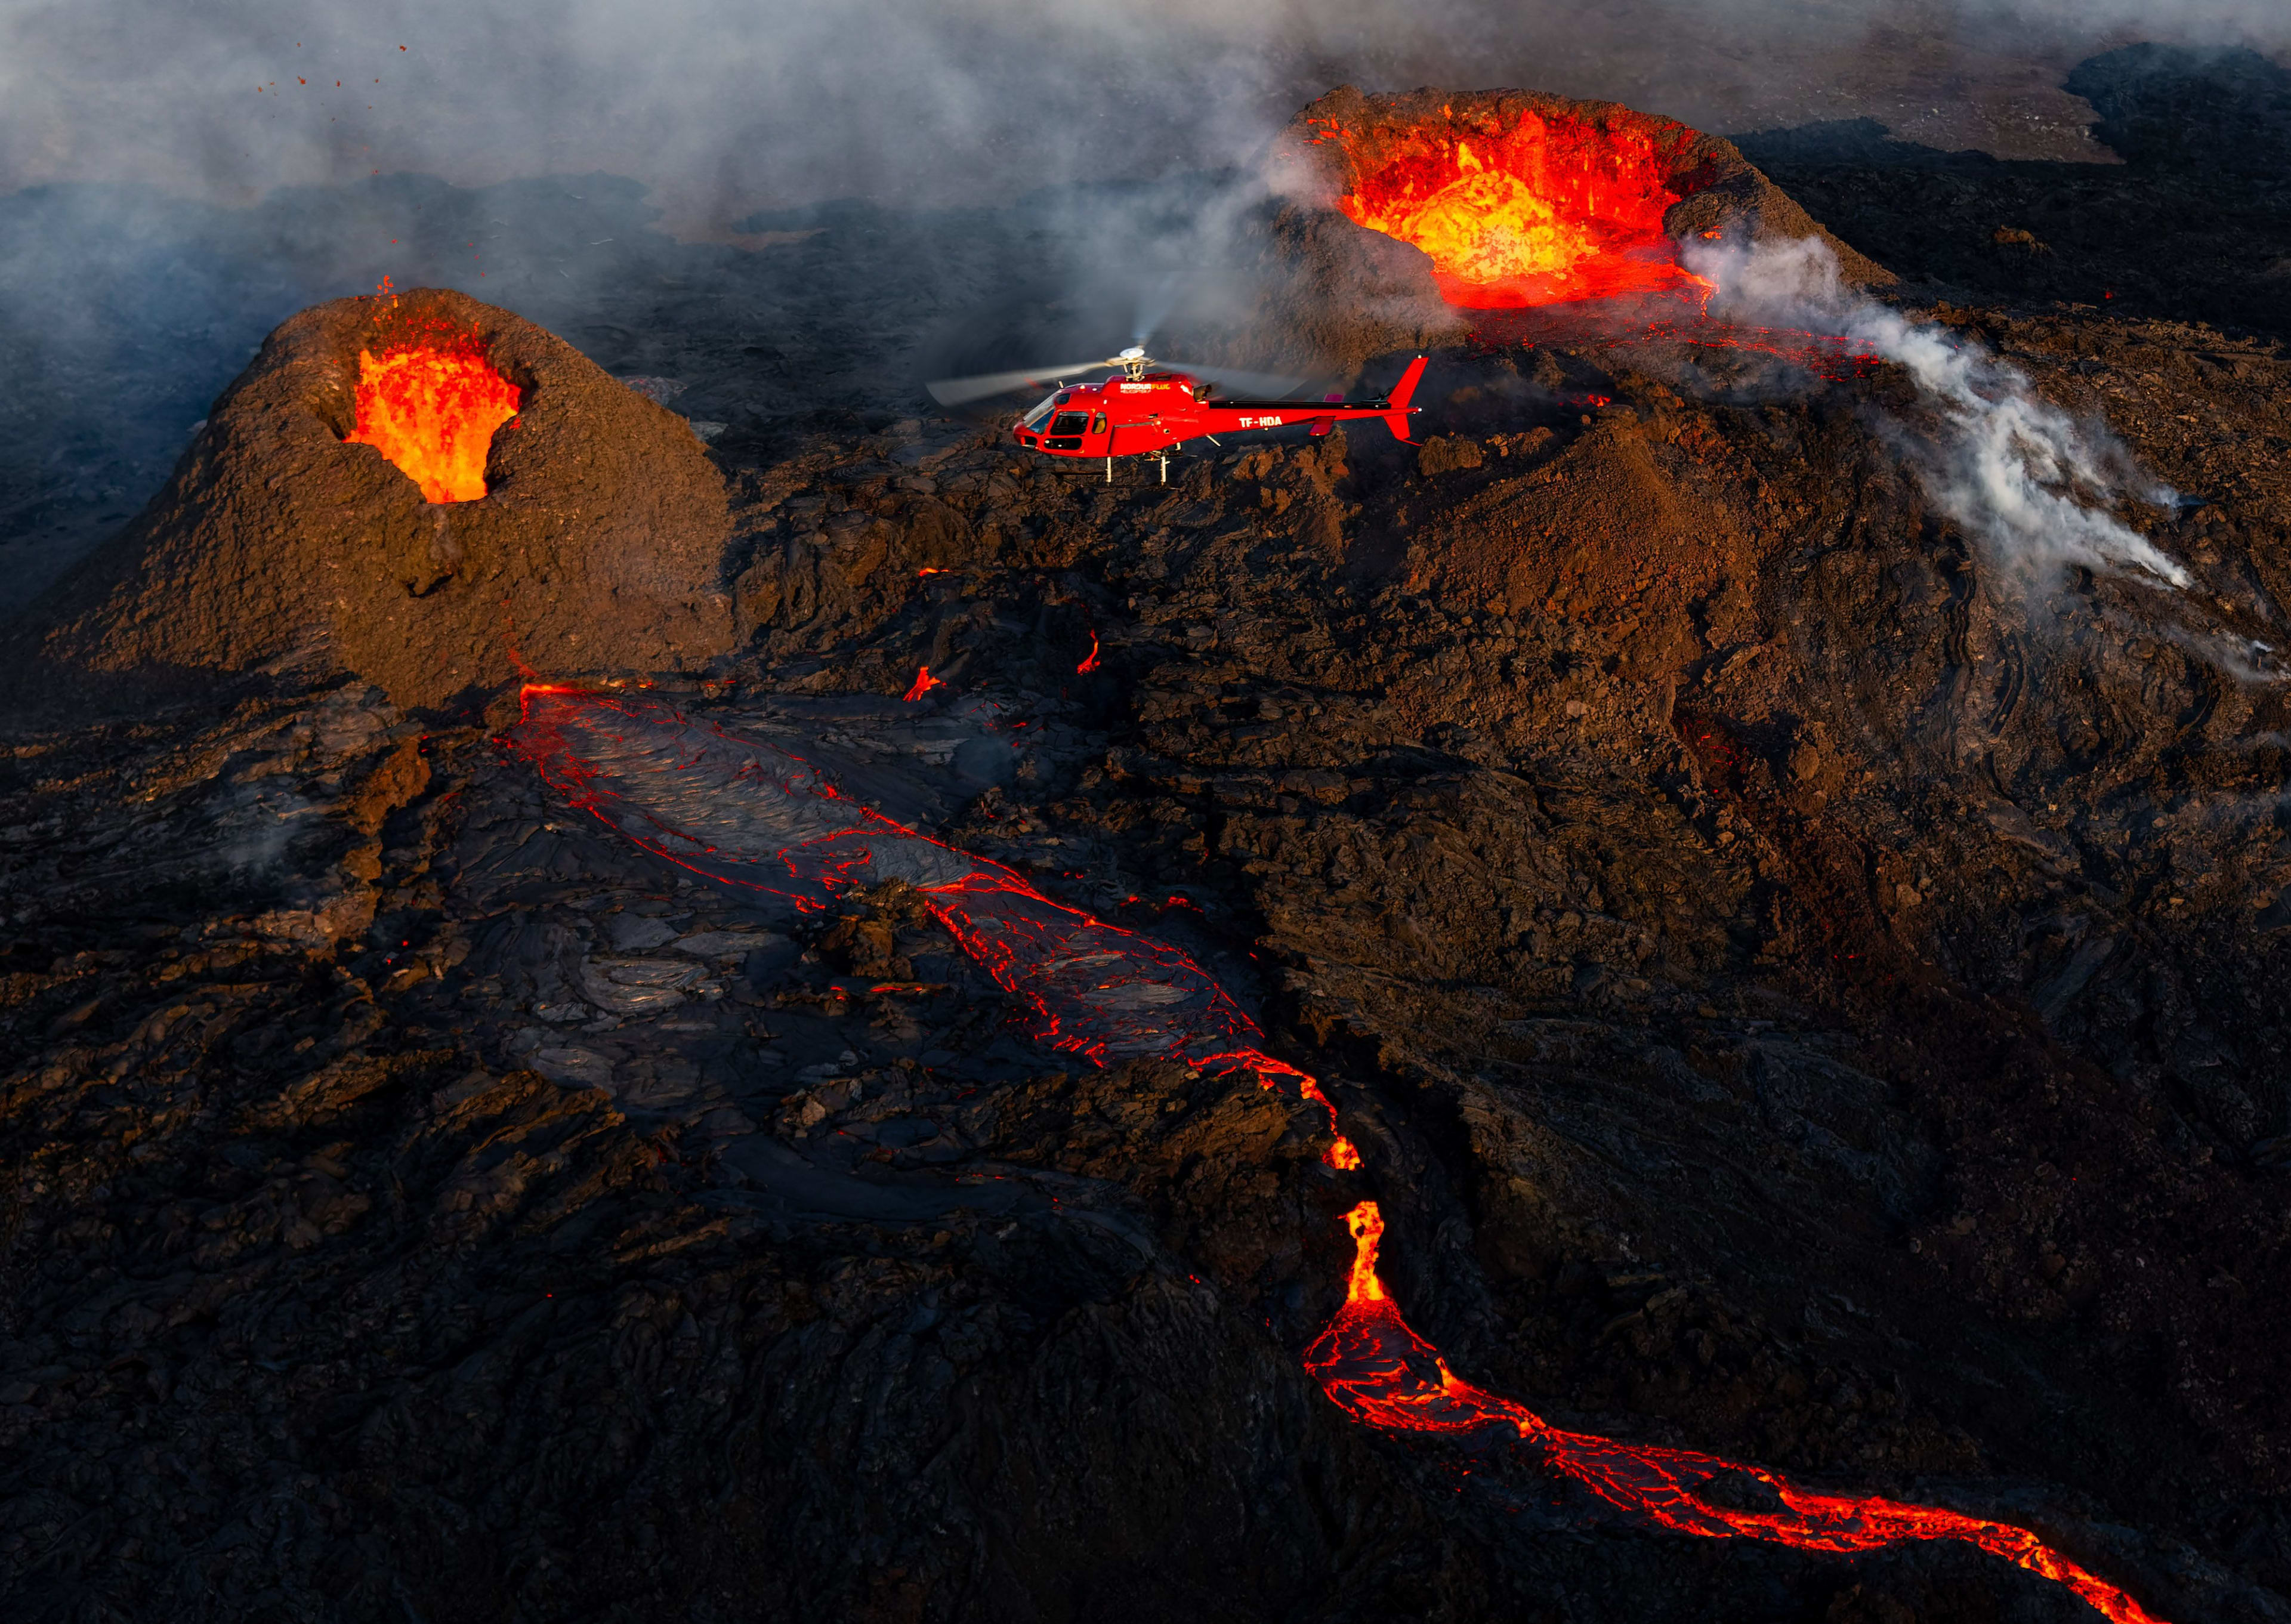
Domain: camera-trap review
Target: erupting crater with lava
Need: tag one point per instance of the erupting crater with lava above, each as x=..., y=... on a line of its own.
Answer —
x=1522, y=200
x=280, y=521
x=431, y=406
x=1546, y=213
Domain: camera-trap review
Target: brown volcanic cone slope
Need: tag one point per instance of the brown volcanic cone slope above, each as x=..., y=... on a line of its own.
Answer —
x=596, y=545
x=1346, y=143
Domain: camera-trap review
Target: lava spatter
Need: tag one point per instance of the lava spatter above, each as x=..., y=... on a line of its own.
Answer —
x=1522, y=200
x=743, y=812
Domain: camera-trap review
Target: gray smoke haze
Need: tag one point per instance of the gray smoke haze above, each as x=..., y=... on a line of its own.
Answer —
x=723, y=106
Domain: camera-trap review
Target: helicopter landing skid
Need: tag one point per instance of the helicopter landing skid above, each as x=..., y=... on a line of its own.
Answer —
x=1164, y=458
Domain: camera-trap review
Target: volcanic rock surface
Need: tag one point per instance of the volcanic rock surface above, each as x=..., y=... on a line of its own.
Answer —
x=1799, y=991
x=596, y=545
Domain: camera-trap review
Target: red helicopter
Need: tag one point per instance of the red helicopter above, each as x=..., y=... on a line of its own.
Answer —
x=1148, y=409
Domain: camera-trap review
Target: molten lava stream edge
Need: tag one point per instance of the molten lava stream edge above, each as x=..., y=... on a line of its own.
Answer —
x=745, y=813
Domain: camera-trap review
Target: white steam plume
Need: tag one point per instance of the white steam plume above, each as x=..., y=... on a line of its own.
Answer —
x=2032, y=484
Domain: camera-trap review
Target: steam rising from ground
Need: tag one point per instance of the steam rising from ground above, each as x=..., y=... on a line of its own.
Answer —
x=2032, y=484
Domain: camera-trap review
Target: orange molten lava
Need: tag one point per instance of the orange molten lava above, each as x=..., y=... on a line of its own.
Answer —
x=432, y=410
x=1384, y=1374
x=1549, y=212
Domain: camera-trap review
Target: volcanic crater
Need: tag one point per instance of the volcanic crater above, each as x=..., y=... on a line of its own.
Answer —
x=416, y=487
x=845, y=1024
x=1521, y=199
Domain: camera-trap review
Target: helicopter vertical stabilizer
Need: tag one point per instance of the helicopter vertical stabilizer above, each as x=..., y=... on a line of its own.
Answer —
x=1396, y=415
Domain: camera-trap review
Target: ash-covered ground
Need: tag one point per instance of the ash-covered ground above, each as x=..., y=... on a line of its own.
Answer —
x=1798, y=993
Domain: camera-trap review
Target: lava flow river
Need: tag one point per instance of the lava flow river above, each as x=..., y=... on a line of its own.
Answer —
x=742, y=812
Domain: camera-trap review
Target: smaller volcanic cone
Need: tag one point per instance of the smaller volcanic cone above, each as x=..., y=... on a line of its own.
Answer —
x=431, y=493
x=1521, y=199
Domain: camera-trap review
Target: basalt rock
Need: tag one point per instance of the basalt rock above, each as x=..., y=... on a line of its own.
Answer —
x=596, y=545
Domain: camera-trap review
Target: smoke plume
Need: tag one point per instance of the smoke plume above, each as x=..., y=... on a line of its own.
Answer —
x=2033, y=486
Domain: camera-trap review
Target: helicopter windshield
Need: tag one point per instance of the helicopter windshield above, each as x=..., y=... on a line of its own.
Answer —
x=1033, y=419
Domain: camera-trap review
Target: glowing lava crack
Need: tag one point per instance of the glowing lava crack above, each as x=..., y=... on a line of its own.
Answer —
x=744, y=813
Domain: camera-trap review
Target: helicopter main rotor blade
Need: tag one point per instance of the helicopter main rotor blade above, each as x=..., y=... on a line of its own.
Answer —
x=955, y=391
x=1154, y=304
x=1264, y=385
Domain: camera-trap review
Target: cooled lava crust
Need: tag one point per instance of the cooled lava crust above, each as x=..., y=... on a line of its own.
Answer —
x=595, y=543
x=1602, y=196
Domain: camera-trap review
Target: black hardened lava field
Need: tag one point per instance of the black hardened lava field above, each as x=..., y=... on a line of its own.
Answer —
x=645, y=975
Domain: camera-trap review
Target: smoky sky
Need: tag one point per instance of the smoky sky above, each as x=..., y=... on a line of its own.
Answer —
x=723, y=106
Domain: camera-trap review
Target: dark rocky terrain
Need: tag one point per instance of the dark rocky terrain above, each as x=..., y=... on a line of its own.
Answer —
x=1798, y=995
x=2191, y=224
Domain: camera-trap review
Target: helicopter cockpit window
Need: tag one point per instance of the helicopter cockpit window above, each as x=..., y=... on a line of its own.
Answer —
x=1033, y=419
x=1070, y=423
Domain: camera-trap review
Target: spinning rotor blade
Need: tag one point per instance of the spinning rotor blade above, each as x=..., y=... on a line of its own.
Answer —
x=955, y=391
x=1264, y=385
x=1155, y=305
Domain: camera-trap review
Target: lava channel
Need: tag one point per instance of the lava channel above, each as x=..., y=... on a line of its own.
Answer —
x=745, y=813
x=431, y=407
x=1385, y=1376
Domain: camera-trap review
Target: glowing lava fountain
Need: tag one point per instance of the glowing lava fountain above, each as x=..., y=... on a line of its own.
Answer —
x=431, y=407
x=1538, y=216
x=745, y=813
x=1522, y=200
